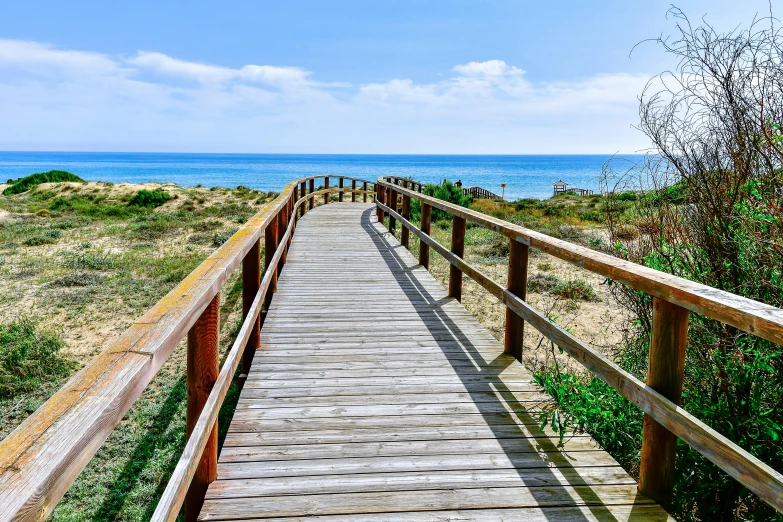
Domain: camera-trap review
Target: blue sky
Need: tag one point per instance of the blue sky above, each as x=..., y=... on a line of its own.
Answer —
x=427, y=76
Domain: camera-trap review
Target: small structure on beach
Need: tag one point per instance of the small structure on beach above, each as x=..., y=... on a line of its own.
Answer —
x=559, y=187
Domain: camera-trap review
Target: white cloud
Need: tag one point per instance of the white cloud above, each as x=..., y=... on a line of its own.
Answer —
x=72, y=100
x=488, y=68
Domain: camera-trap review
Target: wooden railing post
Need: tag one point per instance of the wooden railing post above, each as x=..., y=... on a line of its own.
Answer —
x=406, y=213
x=312, y=200
x=270, y=245
x=294, y=197
x=353, y=193
x=380, y=194
x=665, y=375
x=364, y=196
x=251, y=282
x=303, y=191
x=203, y=367
x=282, y=224
x=424, y=248
x=517, y=285
x=326, y=186
x=457, y=248
x=392, y=204
x=419, y=188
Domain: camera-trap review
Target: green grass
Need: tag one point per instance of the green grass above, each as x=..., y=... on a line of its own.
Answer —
x=26, y=183
x=108, y=263
x=30, y=356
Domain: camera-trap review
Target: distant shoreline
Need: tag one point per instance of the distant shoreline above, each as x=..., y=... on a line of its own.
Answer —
x=525, y=176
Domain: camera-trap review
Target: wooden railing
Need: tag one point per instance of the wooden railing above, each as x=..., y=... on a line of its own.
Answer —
x=673, y=300
x=480, y=193
x=44, y=455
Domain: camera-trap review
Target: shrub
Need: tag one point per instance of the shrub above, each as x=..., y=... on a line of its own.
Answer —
x=83, y=260
x=209, y=224
x=626, y=232
x=542, y=282
x=222, y=237
x=545, y=266
x=77, y=279
x=149, y=198
x=29, y=357
x=48, y=237
x=626, y=196
x=578, y=289
x=447, y=191
x=28, y=182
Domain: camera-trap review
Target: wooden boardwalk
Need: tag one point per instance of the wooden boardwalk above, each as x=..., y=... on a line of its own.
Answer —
x=376, y=397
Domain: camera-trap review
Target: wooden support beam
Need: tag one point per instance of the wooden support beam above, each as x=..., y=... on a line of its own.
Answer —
x=341, y=183
x=270, y=245
x=424, y=248
x=364, y=196
x=353, y=194
x=294, y=198
x=458, y=249
x=517, y=285
x=326, y=186
x=312, y=200
x=380, y=196
x=303, y=192
x=406, y=213
x=285, y=216
x=665, y=375
x=392, y=204
x=203, y=366
x=251, y=282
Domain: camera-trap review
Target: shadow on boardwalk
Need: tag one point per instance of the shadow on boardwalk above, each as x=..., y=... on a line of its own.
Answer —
x=516, y=432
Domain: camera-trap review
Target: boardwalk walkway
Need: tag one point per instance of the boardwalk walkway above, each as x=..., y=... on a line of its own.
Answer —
x=375, y=397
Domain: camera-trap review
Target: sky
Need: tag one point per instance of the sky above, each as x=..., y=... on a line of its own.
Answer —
x=357, y=77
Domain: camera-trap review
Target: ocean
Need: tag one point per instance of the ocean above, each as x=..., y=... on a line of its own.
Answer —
x=525, y=176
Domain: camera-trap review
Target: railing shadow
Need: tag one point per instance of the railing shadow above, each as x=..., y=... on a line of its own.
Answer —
x=523, y=420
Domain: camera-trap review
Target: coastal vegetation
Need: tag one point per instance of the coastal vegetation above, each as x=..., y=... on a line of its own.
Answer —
x=78, y=264
x=705, y=205
x=26, y=183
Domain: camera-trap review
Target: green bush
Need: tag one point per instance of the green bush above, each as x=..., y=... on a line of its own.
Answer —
x=149, y=198
x=577, y=289
x=47, y=237
x=29, y=357
x=542, y=282
x=447, y=191
x=81, y=205
x=28, y=182
x=626, y=196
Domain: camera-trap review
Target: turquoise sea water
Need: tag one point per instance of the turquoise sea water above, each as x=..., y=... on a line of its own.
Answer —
x=524, y=176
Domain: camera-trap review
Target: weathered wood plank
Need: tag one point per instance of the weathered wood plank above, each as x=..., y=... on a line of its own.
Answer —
x=387, y=388
x=425, y=500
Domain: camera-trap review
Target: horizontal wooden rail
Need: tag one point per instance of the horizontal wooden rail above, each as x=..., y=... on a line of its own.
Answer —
x=42, y=457
x=174, y=495
x=754, y=474
x=750, y=316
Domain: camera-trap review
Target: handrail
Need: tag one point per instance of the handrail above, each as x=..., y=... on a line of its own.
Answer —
x=174, y=494
x=657, y=465
x=750, y=316
x=42, y=457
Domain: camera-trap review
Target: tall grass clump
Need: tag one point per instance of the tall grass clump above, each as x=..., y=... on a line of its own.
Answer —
x=706, y=205
x=30, y=356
